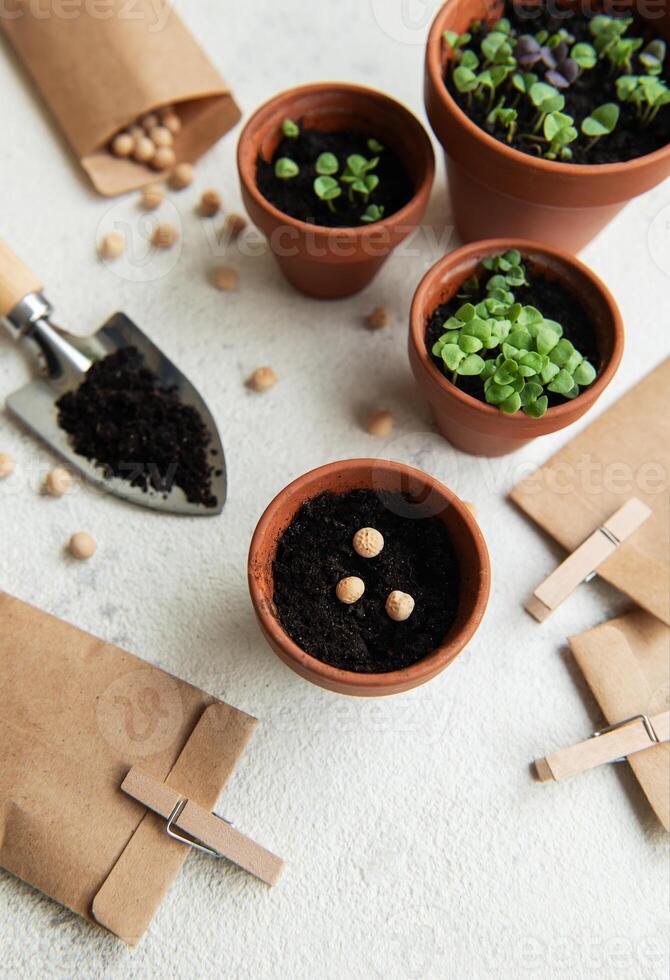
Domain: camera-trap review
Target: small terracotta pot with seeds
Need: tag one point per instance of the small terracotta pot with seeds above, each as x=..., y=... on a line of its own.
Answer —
x=378, y=475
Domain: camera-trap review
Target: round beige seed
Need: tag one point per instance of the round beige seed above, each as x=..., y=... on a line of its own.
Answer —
x=380, y=424
x=172, y=122
x=377, y=319
x=149, y=122
x=136, y=132
x=123, y=145
x=112, y=246
x=225, y=278
x=210, y=203
x=368, y=542
x=7, y=465
x=144, y=150
x=399, y=606
x=82, y=546
x=262, y=379
x=182, y=176
x=161, y=136
x=349, y=590
x=152, y=197
x=234, y=225
x=58, y=482
x=164, y=158
x=165, y=236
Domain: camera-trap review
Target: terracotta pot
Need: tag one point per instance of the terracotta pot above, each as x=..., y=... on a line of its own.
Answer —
x=470, y=424
x=496, y=189
x=371, y=474
x=330, y=263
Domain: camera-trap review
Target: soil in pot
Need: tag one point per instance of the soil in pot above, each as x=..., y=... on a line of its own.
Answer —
x=296, y=196
x=593, y=87
x=548, y=296
x=131, y=427
x=316, y=552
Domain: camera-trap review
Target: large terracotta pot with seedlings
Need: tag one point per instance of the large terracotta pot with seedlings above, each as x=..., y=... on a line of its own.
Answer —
x=498, y=371
x=547, y=138
x=336, y=176
x=342, y=604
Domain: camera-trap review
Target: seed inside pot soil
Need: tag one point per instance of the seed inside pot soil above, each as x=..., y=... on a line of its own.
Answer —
x=316, y=552
x=296, y=197
x=129, y=426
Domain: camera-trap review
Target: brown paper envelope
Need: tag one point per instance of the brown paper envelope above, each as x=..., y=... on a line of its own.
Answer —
x=624, y=453
x=626, y=663
x=104, y=66
x=78, y=713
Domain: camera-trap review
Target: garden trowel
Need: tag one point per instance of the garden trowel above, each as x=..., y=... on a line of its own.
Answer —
x=64, y=360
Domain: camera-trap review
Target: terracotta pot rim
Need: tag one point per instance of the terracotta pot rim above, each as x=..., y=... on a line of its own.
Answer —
x=429, y=665
x=419, y=315
x=537, y=164
x=425, y=148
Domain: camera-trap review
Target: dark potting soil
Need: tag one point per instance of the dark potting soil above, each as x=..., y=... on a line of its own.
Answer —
x=590, y=90
x=316, y=551
x=551, y=298
x=296, y=196
x=122, y=419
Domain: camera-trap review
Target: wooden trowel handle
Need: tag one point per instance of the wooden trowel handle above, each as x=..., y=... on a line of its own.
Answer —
x=16, y=280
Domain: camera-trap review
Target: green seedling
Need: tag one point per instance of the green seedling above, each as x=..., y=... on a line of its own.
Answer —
x=290, y=129
x=374, y=146
x=286, y=169
x=546, y=100
x=327, y=164
x=585, y=55
x=327, y=189
x=373, y=212
x=506, y=116
x=601, y=122
x=559, y=131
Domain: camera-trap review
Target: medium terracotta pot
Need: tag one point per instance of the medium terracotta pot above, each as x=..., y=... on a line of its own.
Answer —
x=330, y=263
x=371, y=474
x=496, y=190
x=473, y=425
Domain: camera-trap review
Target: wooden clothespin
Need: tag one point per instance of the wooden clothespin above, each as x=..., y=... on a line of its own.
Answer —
x=191, y=824
x=582, y=564
x=612, y=744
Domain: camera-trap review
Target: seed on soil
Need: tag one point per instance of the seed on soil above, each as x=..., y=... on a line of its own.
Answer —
x=377, y=319
x=262, y=379
x=380, y=424
x=161, y=136
x=164, y=158
x=225, y=278
x=82, y=546
x=399, y=606
x=7, y=465
x=58, y=482
x=165, y=236
x=152, y=197
x=210, y=203
x=182, y=176
x=234, y=225
x=368, y=542
x=350, y=589
x=112, y=246
x=123, y=145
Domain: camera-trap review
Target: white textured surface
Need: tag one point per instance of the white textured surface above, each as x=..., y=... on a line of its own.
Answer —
x=418, y=844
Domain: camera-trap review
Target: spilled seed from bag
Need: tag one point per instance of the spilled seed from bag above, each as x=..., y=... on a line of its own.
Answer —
x=262, y=379
x=165, y=236
x=82, y=546
x=152, y=197
x=234, y=225
x=7, y=465
x=380, y=424
x=210, y=203
x=164, y=158
x=112, y=246
x=58, y=482
x=182, y=176
x=225, y=278
x=378, y=319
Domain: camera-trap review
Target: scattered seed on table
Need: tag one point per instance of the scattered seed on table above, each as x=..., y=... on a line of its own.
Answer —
x=165, y=236
x=225, y=278
x=182, y=176
x=149, y=122
x=399, y=606
x=377, y=319
x=112, y=246
x=161, y=136
x=152, y=197
x=144, y=150
x=234, y=225
x=350, y=590
x=380, y=424
x=368, y=542
x=164, y=158
x=262, y=379
x=58, y=482
x=82, y=546
x=123, y=145
x=210, y=203
x=7, y=465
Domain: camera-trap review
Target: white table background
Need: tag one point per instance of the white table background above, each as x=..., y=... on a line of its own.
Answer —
x=418, y=844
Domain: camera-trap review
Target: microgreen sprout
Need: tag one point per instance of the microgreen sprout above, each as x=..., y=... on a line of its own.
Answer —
x=286, y=169
x=327, y=164
x=519, y=355
x=290, y=129
x=374, y=146
x=327, y=189
x=373, y=212
x=601, y=122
